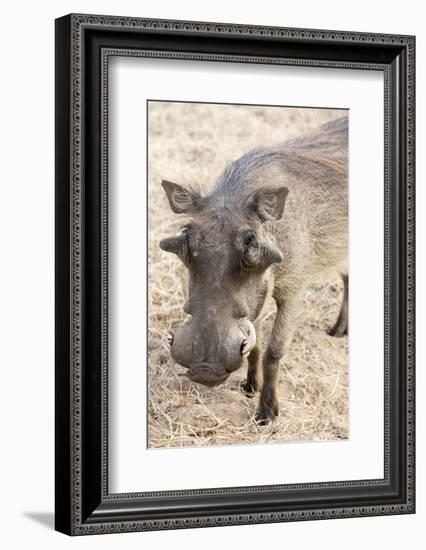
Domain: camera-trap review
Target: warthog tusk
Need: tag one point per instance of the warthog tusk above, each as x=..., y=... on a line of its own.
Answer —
x=250, y=341
x=169, y=339
x=245, y=354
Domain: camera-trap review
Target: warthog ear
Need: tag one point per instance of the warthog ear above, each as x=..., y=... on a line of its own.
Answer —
x=181, y=200
x=267, y=203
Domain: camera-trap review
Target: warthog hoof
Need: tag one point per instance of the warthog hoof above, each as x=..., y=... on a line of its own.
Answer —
x=265, y=416
x=339, y=330
x=249, y=388
x=268, y=407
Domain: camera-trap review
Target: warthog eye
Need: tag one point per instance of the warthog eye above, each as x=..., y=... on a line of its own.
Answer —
x=255, y=254
x=251, y=252
x=249, y=239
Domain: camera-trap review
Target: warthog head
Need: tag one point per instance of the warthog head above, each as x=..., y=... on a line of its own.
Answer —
x=227, y=252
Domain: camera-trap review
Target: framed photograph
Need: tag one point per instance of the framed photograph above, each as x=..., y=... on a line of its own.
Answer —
x=234, y=274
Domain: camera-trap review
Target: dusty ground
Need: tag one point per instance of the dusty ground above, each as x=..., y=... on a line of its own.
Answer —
x=191, y=143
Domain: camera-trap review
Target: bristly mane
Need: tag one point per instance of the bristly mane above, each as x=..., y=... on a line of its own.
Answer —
x=325, y=147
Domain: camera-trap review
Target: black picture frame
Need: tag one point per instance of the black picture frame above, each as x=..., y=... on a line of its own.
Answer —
x=83, y=45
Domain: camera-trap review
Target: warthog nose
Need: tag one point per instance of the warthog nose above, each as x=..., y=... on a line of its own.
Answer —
x=208, y=374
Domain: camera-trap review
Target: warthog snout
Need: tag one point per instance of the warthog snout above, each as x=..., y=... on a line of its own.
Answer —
x=220, y=354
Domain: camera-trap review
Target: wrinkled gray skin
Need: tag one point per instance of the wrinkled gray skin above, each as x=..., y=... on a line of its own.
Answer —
x=275, y=220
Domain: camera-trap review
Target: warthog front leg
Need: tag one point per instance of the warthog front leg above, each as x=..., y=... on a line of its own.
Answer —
x=341, y=326
x=281, y=336
x=252, y=384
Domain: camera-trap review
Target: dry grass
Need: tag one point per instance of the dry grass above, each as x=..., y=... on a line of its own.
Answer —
x=191, y=143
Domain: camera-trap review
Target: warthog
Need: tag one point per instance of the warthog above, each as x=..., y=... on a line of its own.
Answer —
x=275, y=220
